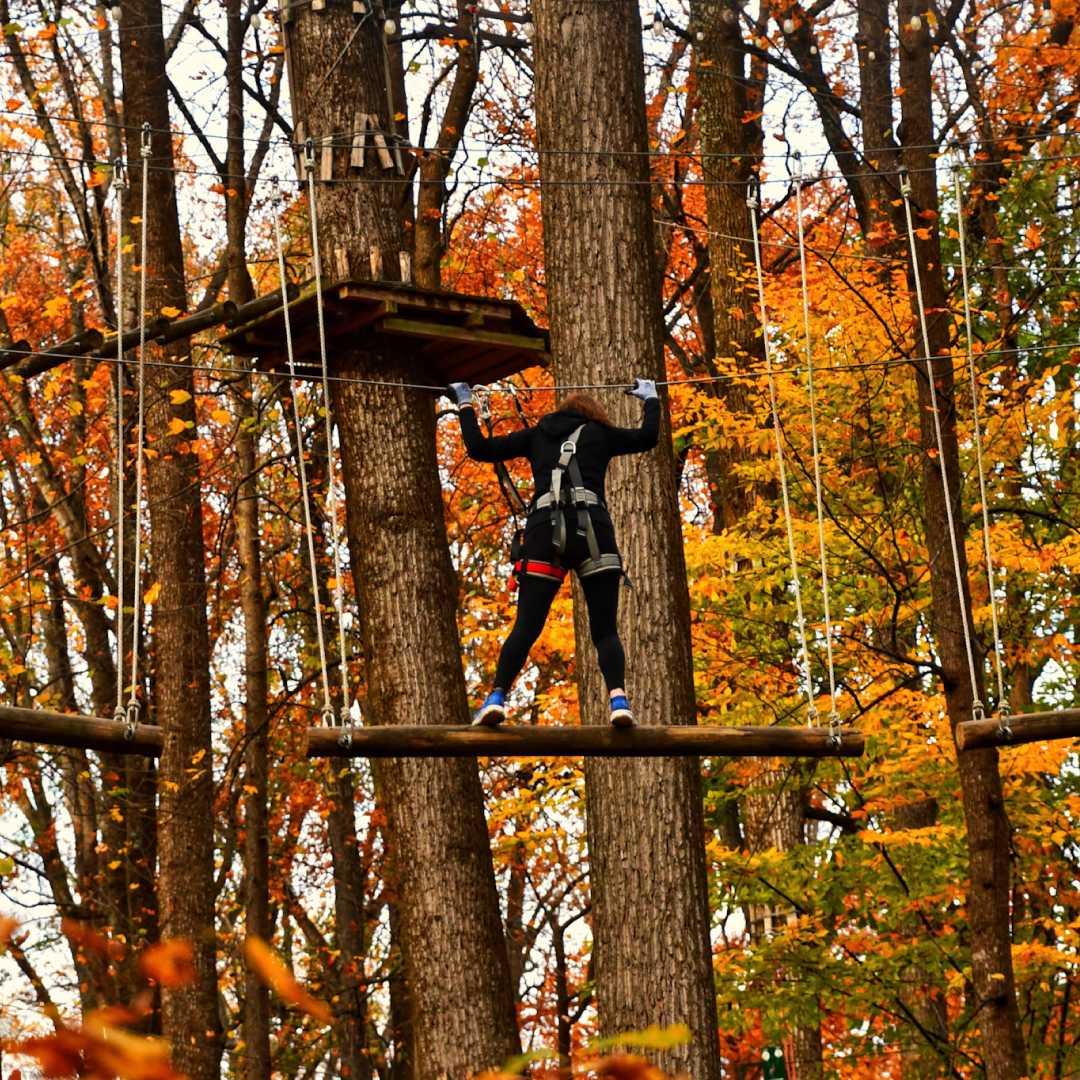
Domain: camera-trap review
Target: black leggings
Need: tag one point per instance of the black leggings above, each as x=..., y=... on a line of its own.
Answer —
x=535, y=595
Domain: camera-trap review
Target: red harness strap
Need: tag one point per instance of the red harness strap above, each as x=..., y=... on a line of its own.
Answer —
x=539, y=569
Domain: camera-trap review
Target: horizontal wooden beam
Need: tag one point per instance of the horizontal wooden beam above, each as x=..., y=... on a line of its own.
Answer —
x=1026, y=728
x=581, y=741
x=421, y=329
x=80, y=732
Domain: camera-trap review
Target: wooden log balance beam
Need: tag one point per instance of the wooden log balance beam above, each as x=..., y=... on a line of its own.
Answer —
x=1026, y=728
x=580, y=741
x=79, y=732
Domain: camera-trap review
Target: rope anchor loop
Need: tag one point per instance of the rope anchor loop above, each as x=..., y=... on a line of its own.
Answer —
x=905, y=181
x=978, y=711
x=1004, y=728
x=834, y=738
x=345, y=739
x=752, y=200
x=309, y=155
x=147, y=140
x=132, y=721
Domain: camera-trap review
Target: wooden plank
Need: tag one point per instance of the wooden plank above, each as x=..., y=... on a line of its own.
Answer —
x=574, y=741
x=1026, y=728
x=80, y=732
x=428, y=300
x=416, y=328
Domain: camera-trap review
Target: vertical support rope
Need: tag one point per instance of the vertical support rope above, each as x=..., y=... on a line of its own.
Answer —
x=140, y=436
x=752, y=203
x=331, y=478
x=905, y=192
x=999, y=660
x=120, y=715
x=294, y=386
x=834, y=715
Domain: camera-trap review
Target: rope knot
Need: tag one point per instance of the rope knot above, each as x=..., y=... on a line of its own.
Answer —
x=147, y=140
x=132, y=719
x=834, y=738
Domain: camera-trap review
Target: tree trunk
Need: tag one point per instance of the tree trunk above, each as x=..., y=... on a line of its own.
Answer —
x=181, y=650
x=646, y=836
x=984, y=807
x=451, y=933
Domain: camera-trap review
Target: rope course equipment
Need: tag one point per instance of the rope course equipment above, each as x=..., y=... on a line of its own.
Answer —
x=120, y=715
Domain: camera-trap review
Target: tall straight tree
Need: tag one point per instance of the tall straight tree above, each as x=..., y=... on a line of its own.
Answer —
x=646, y=835
x=451, y=932
x=181, y=646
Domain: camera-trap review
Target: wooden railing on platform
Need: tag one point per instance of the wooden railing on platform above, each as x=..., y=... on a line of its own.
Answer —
x=80, y=732
x=584, y=741
x=1026, y=728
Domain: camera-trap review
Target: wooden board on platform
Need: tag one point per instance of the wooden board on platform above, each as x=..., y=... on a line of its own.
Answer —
x=1025, y=727
x=583, y=741
x=456, y=336
x=80, y=732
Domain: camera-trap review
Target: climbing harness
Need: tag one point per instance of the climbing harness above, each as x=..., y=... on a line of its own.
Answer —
x=1004, y=728
x=119, y=182
x=977, y=709
x=753, y=203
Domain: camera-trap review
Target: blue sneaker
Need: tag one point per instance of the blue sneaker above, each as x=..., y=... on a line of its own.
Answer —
x=621, y=716
x=493, y=711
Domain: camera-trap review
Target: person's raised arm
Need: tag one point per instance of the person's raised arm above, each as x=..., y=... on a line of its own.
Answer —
x=637, y=440
x=477, y=446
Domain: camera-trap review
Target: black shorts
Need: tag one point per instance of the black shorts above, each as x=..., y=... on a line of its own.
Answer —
x=536, y=543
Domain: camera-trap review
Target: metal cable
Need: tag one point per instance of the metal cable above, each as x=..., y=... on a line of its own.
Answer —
x=331, y=479
x=753, y=203
x=309, y=531
x=905, y=194
x=140, y=438
x=834, y=715
x=120, y=714
x=999, y=660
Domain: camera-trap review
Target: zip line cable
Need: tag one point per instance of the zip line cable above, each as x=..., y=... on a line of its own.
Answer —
x=834, y=715
x=999, y=660
x=752, y=203
x=140, y=437
x=120, y=714
x=309, y=531
x=977, y=711
x=331, y=477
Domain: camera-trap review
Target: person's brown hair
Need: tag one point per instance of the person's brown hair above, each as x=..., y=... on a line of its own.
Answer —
x=588, y=406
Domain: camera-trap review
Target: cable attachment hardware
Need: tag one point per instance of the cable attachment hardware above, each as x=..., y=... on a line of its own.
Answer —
x=752, y=188
x=132, y=719
x=345, y=739
x=120, y=180
x=309, y=156
x=813, y=717
x=483, y=401
x=905, y=181
x=978, y=710
x=798, y=167
x=1004, y=728
x=834, y=738
x=275, y=191
x=147, y=140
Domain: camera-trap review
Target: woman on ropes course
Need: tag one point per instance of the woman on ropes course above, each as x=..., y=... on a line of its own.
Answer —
x=569, y=451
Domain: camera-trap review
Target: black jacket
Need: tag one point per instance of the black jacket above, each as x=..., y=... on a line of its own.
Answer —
x=541, y=444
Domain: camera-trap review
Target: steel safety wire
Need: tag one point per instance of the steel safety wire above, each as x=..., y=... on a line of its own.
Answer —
x=120, y=715
x=753, y=204
x=977, y=711
x=133, y=707
x=1004, y=727
x=309, y=531
x=331, y=478
x=834, y=714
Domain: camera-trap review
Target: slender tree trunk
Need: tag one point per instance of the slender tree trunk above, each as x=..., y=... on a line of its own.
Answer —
x=451, y=933
x=984, y=807
x=646, y=836
x=181, y=651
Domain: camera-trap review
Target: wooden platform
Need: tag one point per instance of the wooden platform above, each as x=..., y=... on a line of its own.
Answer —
x=80, y=732
x=582, y=741
x=459, y=337
x=1026, y=728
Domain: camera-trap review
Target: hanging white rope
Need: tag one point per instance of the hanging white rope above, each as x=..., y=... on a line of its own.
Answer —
x=120, y=715
x=752, y=203
x=331, y=479
x=140, y=437
x=905, y=192
x=309, y=531
x=834, y=714
x=999, y=660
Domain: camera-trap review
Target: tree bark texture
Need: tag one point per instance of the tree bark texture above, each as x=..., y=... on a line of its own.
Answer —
x=988, y=833
x=407, y=592
x=651, y=917
x=181, y=650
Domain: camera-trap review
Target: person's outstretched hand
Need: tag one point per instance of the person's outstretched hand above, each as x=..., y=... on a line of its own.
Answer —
x=461, y=392
x=644, y=389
